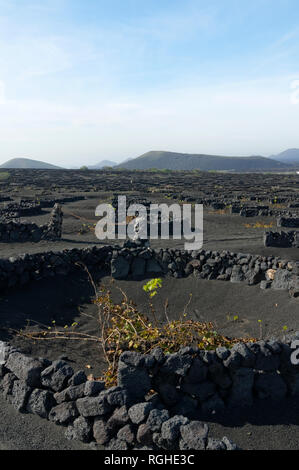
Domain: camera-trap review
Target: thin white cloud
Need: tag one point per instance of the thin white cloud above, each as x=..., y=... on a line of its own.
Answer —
x=238, y=119
x=2, y=92
x=92, y=108
x=175, y=25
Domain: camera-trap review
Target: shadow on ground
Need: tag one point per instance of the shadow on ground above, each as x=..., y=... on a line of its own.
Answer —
x=68, y=299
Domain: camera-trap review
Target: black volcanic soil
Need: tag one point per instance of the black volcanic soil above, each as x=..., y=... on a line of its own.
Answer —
x=221, y=232
x=68, y=300
x=265, y=427
x=29, y=432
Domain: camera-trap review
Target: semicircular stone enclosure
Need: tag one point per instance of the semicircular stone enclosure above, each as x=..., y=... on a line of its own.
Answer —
x=156, y=394
x=160, y=401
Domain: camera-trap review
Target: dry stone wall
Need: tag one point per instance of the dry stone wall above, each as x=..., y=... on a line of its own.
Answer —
x=292, y=222
x=282, y=239
x=16, y=231
x=22, y=208
x=157, y=396
x=134, y=260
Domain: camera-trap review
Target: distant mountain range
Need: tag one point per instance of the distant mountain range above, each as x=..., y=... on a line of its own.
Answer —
x=184, y=161
x=288, y=156
x=101, y=164
x=181, y=161
x=27, y=163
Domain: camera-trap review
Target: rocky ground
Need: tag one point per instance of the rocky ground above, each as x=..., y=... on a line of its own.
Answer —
x=66, y=301
x=29, y=432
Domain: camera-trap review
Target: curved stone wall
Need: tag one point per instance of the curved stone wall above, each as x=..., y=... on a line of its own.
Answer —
x=135, y=261
x=113, y=417
x=16, y=231
x=156, y=394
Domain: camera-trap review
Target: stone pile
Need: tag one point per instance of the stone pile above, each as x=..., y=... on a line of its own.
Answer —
x=120, y=418
x=133, y=260
x=54, y=227
x=164, y=223
x=5, y=198
x=292, y=222
x=17, y=231
x=49, y=202
x=244, y=209
x=205, y=264
x=157, y=396
x=24, y=208
x=259, y=211
x=282, y=239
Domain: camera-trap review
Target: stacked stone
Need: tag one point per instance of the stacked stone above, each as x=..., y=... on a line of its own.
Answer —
x=211, y=381
x=118, y=418
x=157, y=396
x=205, y=264
x=134, y=260
x=20, y=209
x=282, y=239
x=22, y=269
x=16, y=231
x=162, y=222
x=54, y=227
x=61, y=200
x=244, y=210
x=260, y=211
x=292, y=222
x=254, y=211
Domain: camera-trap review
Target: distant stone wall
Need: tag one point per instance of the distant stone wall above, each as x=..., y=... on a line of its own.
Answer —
x=282, y=239
x=260, y=211
x=291, y=222
x=53, y=229
x=49, y=202
x=251, y=207
x=16, y=231
x=31, y=207
x=5, y=198
x=23, y=208
x=254, y=211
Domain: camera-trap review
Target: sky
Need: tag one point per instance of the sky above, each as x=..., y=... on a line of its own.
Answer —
x=87, y=80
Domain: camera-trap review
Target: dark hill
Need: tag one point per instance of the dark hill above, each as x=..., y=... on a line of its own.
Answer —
x=288, y=156
x=27, y=163
x=184, y=161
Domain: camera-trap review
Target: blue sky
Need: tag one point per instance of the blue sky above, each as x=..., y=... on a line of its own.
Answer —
x=82, y=81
